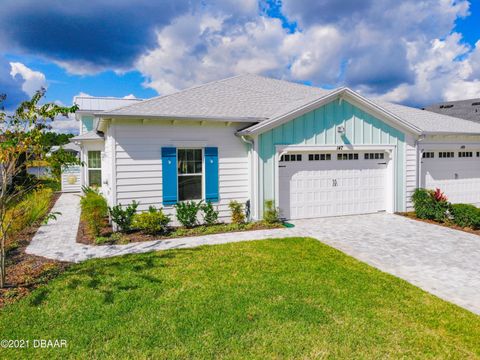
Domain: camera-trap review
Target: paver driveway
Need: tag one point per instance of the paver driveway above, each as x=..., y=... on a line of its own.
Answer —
x=442, y=261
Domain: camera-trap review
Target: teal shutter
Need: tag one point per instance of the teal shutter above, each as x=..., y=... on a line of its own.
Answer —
x=211, y=174
x=169, y=175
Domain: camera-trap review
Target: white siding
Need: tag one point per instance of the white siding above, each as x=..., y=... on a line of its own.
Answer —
x=139, y=166
x=410, y=171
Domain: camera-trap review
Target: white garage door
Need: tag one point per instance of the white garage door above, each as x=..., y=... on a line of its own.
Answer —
x=456, y=173
x=332, y=184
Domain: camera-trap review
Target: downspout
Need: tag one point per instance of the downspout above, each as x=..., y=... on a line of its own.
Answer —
x=251, y=182
x=419, y=159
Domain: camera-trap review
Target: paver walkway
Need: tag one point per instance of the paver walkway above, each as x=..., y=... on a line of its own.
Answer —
x=442, y=261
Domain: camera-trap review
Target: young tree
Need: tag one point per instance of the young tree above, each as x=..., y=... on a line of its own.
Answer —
x=21, y=140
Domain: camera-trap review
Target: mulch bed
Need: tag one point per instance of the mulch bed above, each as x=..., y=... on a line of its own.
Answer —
x=84, y=237
x=26, y=272
x=411, y=215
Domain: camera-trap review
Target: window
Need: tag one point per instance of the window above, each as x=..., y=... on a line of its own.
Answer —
x=350, y=156
x=291, y=157
x=319, y=157
x=94, y=168
x=374, y=156
x=478, y=153
x=428, y=155
x=463, y=154
x=190, y=174
x=446, y=154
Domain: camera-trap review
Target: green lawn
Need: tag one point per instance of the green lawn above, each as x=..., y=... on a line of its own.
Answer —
x=289, y=298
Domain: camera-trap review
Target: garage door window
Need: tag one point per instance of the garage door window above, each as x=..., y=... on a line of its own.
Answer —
x=374, y=156
x=446, y=154
x=478, y=153
x=465, y=154
x=319, y=157
x=428, y=155
x=291, y=157
x=350, y=156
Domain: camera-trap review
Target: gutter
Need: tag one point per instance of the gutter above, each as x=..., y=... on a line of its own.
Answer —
x=104, y=115
x=419, y=159
x=251, y=182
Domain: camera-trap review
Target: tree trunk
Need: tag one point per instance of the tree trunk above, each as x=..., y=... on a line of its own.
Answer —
x=2, y=263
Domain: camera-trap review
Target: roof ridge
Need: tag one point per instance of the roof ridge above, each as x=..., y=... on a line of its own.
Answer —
x=175, y=93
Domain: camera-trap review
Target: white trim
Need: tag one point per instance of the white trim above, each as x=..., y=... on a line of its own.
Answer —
x=114, y=164
x=449, y=146
x=391, y=198
x=339, y=93
x=202, y=174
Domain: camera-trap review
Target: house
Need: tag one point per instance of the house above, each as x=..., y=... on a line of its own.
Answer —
x=464, y=109
x=315, y=152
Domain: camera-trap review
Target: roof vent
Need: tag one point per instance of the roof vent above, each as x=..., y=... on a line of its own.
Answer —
x=446, y=106
x=476, y=103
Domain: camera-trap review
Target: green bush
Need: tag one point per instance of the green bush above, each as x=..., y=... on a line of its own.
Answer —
x=123, y=217
x=187, y=213
x=466, y=215
x=94, y=211
x=271, y=214
x=152, y=222
x=238, y=215
x=210, y=214
x=427, y=206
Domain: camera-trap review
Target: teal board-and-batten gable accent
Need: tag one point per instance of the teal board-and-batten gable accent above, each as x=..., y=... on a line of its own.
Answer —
x=319, y=127
x=87, y=123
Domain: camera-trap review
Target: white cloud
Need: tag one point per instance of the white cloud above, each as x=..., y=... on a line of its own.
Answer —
x=32, y=80
x=197, y=49
x=443, y=71
x=399, y=50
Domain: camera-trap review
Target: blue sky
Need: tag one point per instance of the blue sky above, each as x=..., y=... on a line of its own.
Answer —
x=409, y=52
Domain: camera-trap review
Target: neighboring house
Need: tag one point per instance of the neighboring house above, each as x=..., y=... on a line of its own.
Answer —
x=464, y=109
x=249, y=138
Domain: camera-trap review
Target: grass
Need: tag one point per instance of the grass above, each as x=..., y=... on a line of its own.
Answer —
x=288, y=298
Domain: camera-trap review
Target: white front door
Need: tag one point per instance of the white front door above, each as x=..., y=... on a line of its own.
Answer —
x=332, y=184
x=455, y=173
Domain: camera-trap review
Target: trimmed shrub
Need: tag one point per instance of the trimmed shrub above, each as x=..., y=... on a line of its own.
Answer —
x=94, y=211
x=187, y=212
x=123, y=217
x=210, y=214
x=271, y=214
x=431, y=205
x=238, y=216
x=466, y=215
x=152, y=222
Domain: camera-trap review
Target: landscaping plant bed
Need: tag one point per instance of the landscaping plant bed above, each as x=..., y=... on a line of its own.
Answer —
x=412, y=215
x=108, y=236
x=25, y=272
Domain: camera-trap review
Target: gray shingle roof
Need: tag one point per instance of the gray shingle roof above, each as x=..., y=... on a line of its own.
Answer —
x=431, y=122
x=254, y=98
x=245, y=97
x=464, y=109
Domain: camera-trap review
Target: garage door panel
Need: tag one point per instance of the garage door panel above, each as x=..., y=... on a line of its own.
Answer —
x=333, y=187
x=458, y=178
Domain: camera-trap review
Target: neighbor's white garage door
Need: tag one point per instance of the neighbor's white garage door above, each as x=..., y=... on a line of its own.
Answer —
x=332, y=184
x=456, y=173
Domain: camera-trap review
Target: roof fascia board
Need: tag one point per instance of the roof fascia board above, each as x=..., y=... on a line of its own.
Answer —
x=187, y=117
x=344, y=93
x=272, y=123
